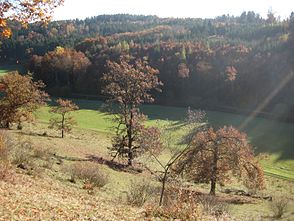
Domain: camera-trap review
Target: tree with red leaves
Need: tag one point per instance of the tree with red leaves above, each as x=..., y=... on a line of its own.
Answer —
x=216, y=156
x=129, y=84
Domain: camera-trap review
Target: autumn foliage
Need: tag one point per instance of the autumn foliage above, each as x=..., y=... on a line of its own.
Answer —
x=21, y=97
x=217, y=156
x=129, y=83
x=25, y=11
x=62, y=67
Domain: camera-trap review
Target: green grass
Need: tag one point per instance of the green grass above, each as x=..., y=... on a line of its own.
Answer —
x=267, y=136
x=8, y=68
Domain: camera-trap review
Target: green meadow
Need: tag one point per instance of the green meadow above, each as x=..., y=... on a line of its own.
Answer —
x=272, y=138
x=8, y=68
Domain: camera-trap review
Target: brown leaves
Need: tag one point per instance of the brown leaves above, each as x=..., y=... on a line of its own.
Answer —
x=21, y=97
x=130, y=82
x=68, y=65
x=219, y=155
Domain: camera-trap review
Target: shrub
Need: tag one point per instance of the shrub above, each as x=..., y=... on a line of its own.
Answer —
x=41, y=153
x=139, y=192
x=212, y=205
x=279, y=206
x=177, y=206
x=26, y=157
x=186, y=204
x=22, y=155
x=89, y=173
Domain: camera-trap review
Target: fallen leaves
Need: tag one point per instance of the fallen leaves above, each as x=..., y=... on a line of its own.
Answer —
x=41, y=199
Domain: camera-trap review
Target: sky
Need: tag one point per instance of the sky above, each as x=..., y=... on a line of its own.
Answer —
x=172, y=8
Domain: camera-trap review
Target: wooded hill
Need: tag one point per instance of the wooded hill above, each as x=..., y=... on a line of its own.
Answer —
x=239, y=64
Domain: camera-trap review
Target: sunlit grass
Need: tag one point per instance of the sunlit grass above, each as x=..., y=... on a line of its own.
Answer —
x=267, y=136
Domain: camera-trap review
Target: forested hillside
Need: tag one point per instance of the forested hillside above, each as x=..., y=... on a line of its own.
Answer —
x=240, y=64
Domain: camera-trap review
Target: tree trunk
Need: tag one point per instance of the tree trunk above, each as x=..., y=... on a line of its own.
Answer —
x=130, y=157
x=163, y=187
x=130, y=139
x=212, y=186
x=62, y=126
x=214, y=171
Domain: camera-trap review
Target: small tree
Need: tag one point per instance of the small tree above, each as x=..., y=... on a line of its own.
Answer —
x=21, y=97
x=194, y=122
x=64, y=121
x=215, y=156
x=129, y=84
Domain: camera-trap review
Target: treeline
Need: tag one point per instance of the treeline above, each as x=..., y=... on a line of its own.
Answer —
x=242, y=62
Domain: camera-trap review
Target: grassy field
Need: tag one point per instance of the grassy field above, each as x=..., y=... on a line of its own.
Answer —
x=7, y=68
x=267, y=136
x=48, y=194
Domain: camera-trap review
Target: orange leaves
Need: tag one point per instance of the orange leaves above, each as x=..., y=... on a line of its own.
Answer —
x=25, y=11
x=3, y=23
x=6, y=32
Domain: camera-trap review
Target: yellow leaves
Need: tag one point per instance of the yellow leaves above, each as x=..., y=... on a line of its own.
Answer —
x=59, y=50
x=6, y=33
x=4, y=30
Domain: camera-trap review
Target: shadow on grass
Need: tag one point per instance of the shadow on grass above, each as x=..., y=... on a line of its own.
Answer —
x=34, y=134
x=267, y=136
x=114, y=165
x=100, y=160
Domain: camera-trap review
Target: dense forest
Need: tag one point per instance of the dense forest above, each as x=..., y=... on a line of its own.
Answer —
x=229, y=63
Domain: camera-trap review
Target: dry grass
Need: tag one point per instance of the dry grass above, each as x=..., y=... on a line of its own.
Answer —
x=52, y=197
x=89, y=173
x=279, y=205
x=139, y=192
x=30, y=198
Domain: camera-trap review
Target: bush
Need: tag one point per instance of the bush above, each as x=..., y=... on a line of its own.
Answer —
x=177, y=206
x=279, y=206
x=212, y=205
x=42, y=153
x=22, y=155
x=139, y=192
x=89, y=173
